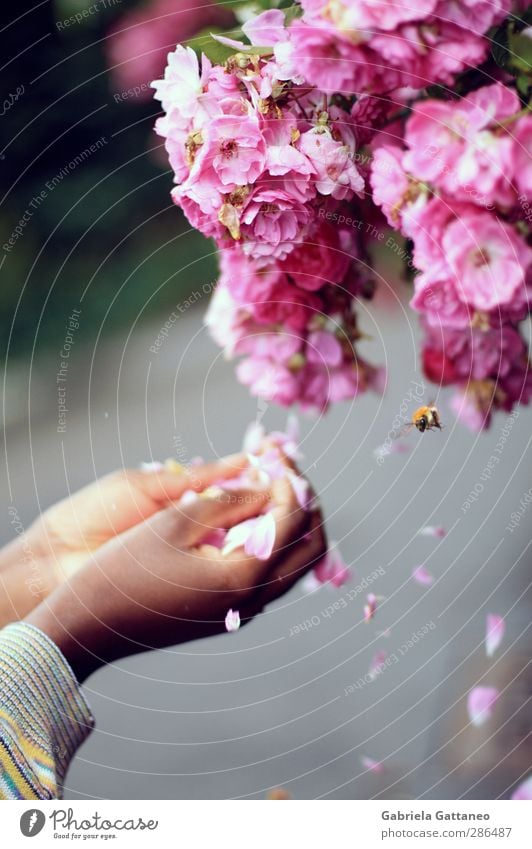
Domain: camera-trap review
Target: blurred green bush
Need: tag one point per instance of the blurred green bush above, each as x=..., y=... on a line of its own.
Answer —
x=85, y=189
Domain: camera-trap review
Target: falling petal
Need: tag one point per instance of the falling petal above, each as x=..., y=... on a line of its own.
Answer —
x=309, y=584
x=301, y=489
x=524, y=790
x=372, y=765
x=288, y=440
x=269, y=465
x=332, y=569
x=253, y=438
x=386, y=633
x=495, y=629
x=480, y=704
x=370, y=608
x=255, y=536
x=232, y=620
x=154, y=466
x=377, y=664
x=422, y=576
x=436, y=531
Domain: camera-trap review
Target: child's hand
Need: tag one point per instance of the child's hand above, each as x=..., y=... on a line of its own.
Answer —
x=157, y=584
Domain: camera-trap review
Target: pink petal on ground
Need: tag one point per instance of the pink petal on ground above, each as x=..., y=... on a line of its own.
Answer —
x=422, y=576
x=255, y=536
x=480, y=704
x=372, y=765
x=232, y=620
x=370, y=608
x=332, y=569
x=377, y=663
x=301, y=489
x=436, y=531
x=524, y=790
x=495, y=629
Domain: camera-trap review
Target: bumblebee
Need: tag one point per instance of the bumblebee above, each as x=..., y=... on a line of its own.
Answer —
x=426, y=418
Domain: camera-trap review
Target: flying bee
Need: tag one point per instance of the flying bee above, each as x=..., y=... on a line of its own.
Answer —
x=426, y=418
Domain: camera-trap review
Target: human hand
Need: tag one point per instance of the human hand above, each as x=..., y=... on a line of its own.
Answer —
x=158, y=583
x=68, y=533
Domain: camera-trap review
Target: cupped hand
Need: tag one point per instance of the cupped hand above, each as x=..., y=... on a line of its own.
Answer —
x=57, y=544
x=159, y=583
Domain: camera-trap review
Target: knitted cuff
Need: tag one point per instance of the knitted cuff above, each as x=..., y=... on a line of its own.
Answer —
x=43, y=712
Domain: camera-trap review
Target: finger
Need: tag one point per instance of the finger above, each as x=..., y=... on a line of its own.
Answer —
x=123, y=499
x=189, y=524
x=169, y=483
x=244, y=573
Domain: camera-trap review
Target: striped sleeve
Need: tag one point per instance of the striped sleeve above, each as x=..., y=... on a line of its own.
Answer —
x=44, y=717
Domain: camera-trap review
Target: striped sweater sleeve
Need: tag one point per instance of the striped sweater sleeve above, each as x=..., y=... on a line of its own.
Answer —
x=44, y=717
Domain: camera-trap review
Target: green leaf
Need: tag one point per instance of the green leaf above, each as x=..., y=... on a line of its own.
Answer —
x=520, y=47
x=218, y=53
x=499, y=45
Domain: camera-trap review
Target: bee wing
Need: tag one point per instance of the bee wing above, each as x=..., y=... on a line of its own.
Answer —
x=405, y=430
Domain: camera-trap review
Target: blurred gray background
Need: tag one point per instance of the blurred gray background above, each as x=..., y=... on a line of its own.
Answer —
x=239, y=714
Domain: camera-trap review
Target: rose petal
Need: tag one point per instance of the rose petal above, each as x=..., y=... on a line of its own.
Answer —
x=256, y=536
x=253, y=438
x=480, y=704
x=332, y=568
x=495, y=629
x=372, y=765
x=376, y=666
x=370, y=608
x=523, y=791
x=301, y=489
x=422, y=576
x=232, y=620
x=436, y=531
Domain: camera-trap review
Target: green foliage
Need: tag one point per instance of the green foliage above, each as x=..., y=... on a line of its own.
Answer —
x=106, y=226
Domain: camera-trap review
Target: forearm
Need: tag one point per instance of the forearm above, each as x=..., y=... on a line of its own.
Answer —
x=23, y=585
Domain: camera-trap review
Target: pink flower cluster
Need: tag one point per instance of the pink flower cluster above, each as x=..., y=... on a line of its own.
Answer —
x=456, y=188
x=380, y=47
x=262, y=166
x=299, y=135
